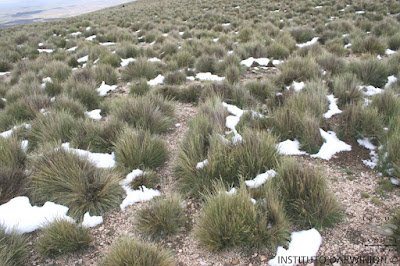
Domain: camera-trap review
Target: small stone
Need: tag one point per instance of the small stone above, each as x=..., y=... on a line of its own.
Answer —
x=263, y=258
x=235, y=262
x=180, y=250
x=254, y=255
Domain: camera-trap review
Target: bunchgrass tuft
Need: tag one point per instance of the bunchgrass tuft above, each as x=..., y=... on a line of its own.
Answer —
x=346, y=87
x=306, y=197
x=11, y=153
x=141, y=68
x=65, y=178
x=163, y=216
x=140, y=149
x=298, y=69
x=13, y=247
x=62, y=237
x=131, y=251
x=150, y=112
x=13, y=183
x=371, y=72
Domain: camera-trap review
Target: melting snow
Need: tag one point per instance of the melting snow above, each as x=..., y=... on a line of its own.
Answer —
x=260, y=179
x=302, y=244
x=333, y=108
x=200, y=165
x=94, y=114
x=72, y=49
x=250, y=61
x=49, y=51
x=389, y=52
x=101, y=160
x=232, y=191
x=75, y=34
x=313, y=41
x=156, y=81
x=391, y=79
x=104, y=88
x=20, y=215
x=83, y=59
x=91, y=221
x=208, y=76
x=290, y=147
x=370, y=90
x=8, y=133
x=107, y=43
x=140, y=195
x=91, y=38
x=154, y=59
x=298, y=86
x=4, y=73
x=125, y=62
x=331, y=145
x=366, y=143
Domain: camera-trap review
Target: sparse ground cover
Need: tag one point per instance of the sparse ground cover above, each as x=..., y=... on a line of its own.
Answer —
x=213, y=131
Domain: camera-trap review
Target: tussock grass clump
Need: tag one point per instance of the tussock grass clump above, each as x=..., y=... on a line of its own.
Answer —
x=11, y=153
x=361, y=121
x=331, y=63
x=140, y=149
x=387, y=103
x=346, y=88
x=67, y=104
x=13, y=247
x=163, y=216
x=262, y=90
x=175, y=78
x=206, y=63
x=395, y=231
x=370, y=45
x=298, y=69
x=53, y=127
x=130, y=251
x=305, y=195
x=302, y=34
x=63, y=237
x=141, y=68
x=65, y=178
x=148, y=179
x=57, y=70
x=139, y=87
x=229, y=220
x=150, y=112
x=232, y=74
x=106, y=73
x=13, y=183
x=371, y=72
x=228, y=162
x=278, y=51
x=85, y=92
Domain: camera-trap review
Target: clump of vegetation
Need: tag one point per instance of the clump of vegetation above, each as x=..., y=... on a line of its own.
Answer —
x=298, y=69
x=11, y=153
x=371, y=72
x=346, y=87
x=65, y=178
x=231, y=219
x=152, y=112
x=148, y=179
x=141, y=68
x=306, y=196
x=13, y=247
x=162, y=217
x=140, y=149
x=130, y=251
x=139, y=87
x=13, y=183
x=63, y=237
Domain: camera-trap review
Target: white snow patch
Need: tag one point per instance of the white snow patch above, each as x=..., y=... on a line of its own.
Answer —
x=157, y=80
x=8, y=133
x=391, y=79
x=250, y=61
x=331, y=146
x=298, y=86
x=75, y=34
x=366, y=143
x=333, y=108
x=360, y=12
x=49, y=51
x=395, y=181
x=94, y=114
x=303, y=245
x=290, y=147
x=200, y=165
x=18, y=214
x=347, y=46
x=91, y=221
x=154, y=59
x=389, y=52
x=91, y=38
x=260, y=179
x=4, y=73
x=72, y=49
x=125, y=62
x=101, y=160
x=208, y=76
x=232, y=191
x=83, y=59
x=24, y=145
x=370, y=90
x=104, y=88
x=134, y=196
x=107, y=43
x=313, y=41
